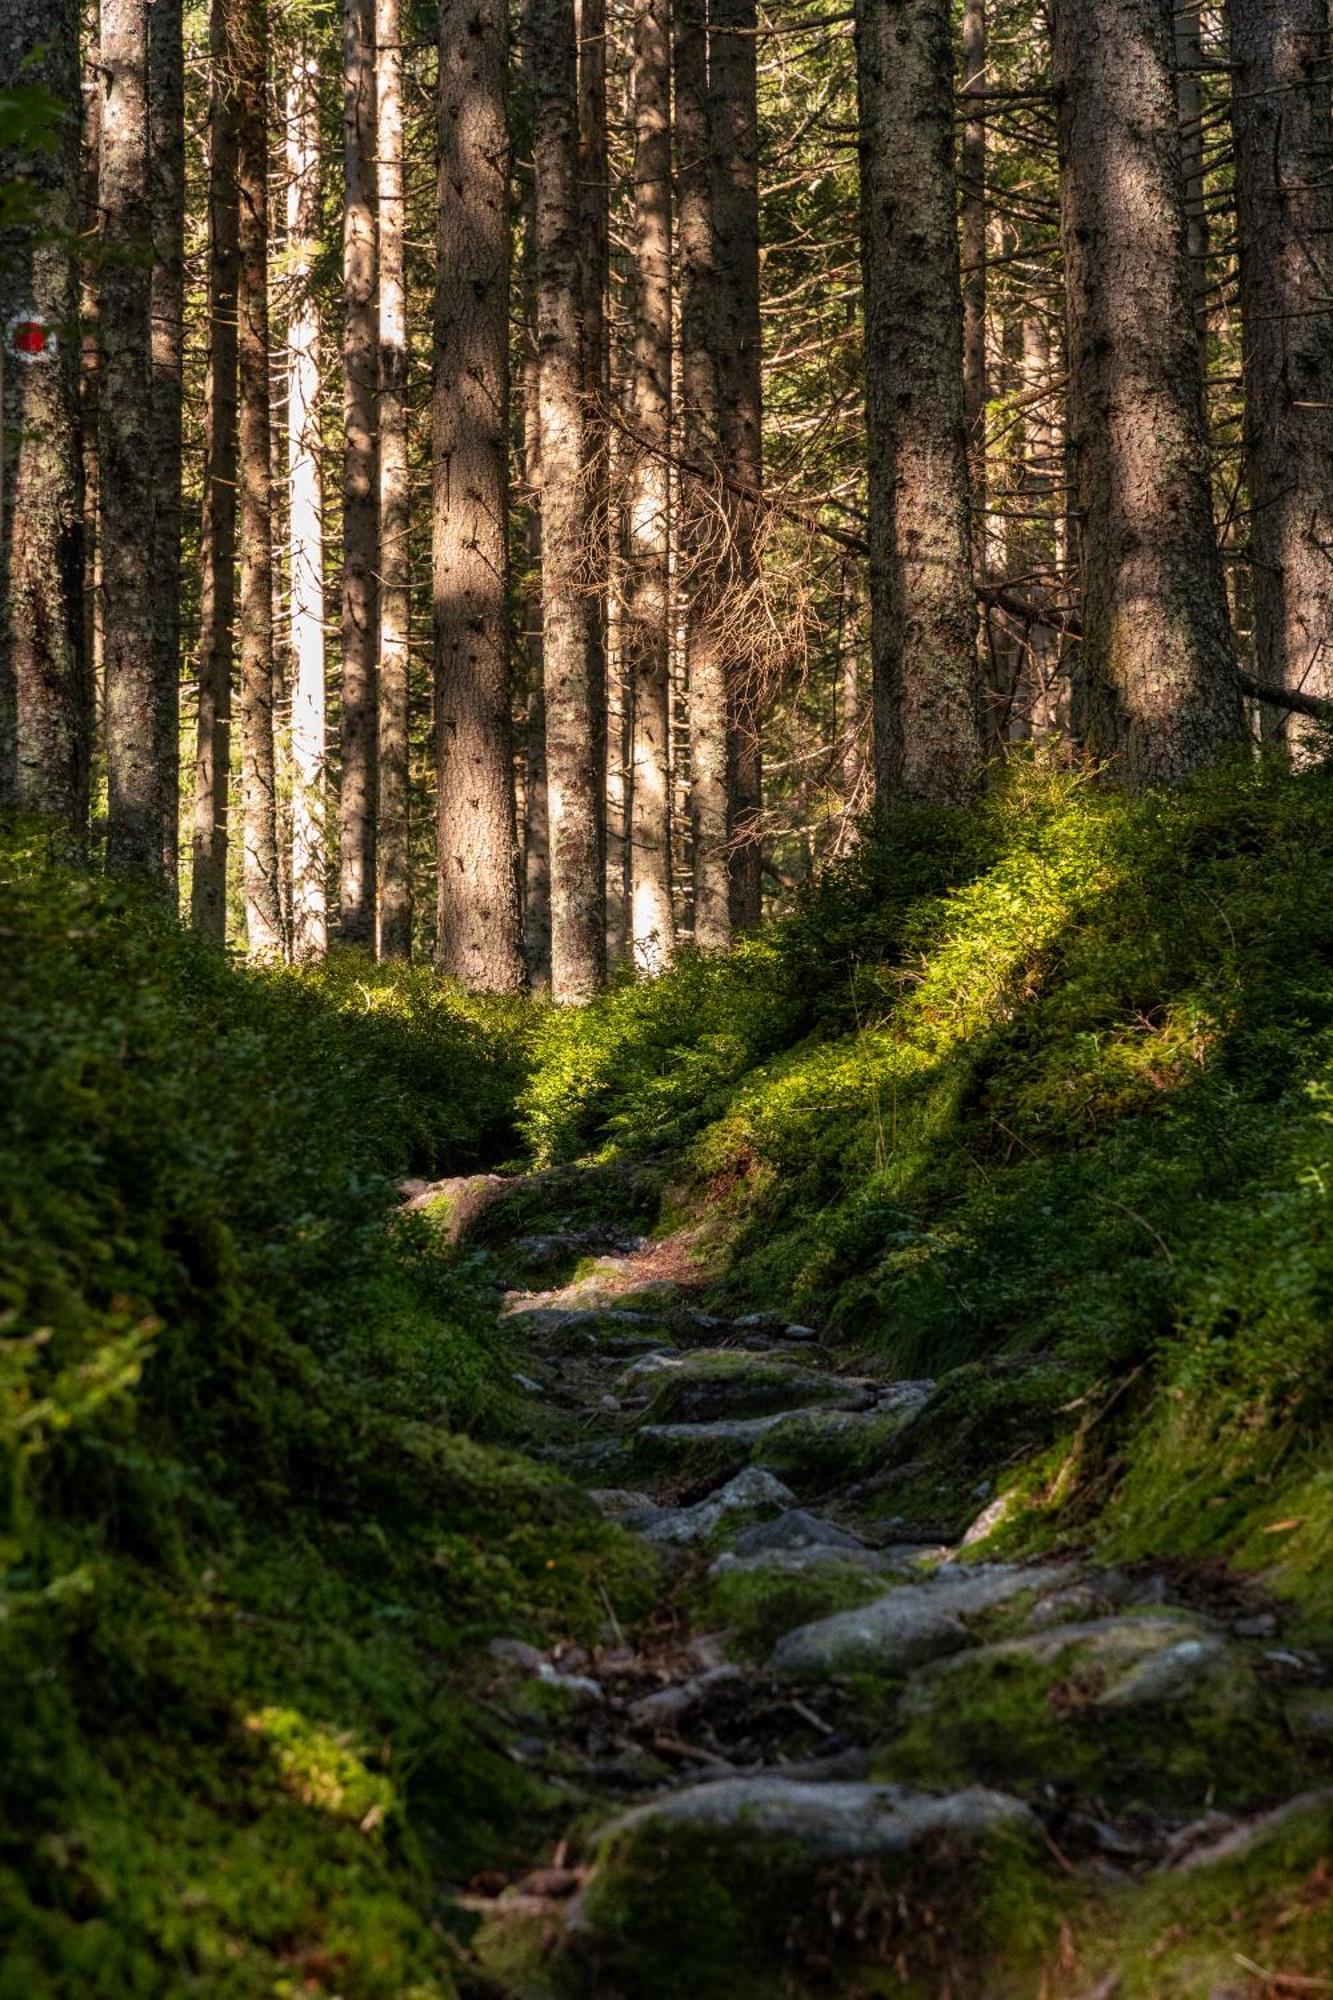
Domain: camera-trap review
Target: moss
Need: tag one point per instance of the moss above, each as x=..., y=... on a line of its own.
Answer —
x=757, y=1606
x=1257, y=1919
x=1005, y=1718
x=675, y=1911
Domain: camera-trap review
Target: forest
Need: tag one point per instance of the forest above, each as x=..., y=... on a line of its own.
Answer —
x=666, y=1033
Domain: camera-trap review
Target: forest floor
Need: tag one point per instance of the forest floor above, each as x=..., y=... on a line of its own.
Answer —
x=843, y=1508
x=848, y=1751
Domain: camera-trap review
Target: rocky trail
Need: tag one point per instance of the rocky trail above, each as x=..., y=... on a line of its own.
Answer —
x=842, y=1744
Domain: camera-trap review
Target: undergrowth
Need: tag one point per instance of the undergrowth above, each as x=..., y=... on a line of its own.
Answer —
x=248, y=1554
x=1036, y=1100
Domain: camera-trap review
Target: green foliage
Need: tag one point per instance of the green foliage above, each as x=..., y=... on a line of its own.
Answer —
x=1037, y=1099
x=246, y=1557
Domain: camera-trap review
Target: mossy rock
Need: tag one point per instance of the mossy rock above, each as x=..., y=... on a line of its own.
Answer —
x=730, y=1382
x=748, y=1887
x=757, y=1605
x=1148, y=1709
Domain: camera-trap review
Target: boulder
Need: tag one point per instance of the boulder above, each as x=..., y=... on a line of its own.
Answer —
x=914, y=1623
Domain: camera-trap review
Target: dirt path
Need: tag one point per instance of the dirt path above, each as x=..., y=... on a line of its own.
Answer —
x=831, y=1705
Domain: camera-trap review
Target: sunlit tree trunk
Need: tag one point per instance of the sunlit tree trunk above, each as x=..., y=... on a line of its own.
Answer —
x=136, y=787
x=45, y=690
x=925, y=669
x=573, y=756
x=263, y=903
x=1157, y=685
x=735, y=148
x=652, y=928
x=359, y=745
x=393, y=858
x=480, y=922
x=217, y=607
x=309, y=784
x=702, y=511
x=1284, y=156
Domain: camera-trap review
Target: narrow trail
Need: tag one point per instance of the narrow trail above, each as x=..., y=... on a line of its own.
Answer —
x=826, y=1682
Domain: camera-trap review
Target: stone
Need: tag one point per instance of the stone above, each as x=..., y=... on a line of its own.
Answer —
x=1123, y=1662
x=713, y=1385
x=818, y=1556
x=914, y=1623
x=829, y=1821
x=750, y=1491
x=796, y=1529
x=579, y=1687
x=667, y=1706
x=517, y=1653
x=1243, y=1835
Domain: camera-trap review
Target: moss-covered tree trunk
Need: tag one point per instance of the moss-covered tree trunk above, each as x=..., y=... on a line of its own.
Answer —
x=925, y=672
x=45, y=689
x=217, y=547
x=480, y=924
x=393, y=857
x=359, y=728
x=1157, y=689
x=573, y=745
x=136, y=782
x=647, y=505
x=1284, y=195
x=263, y=898
x=734, y=140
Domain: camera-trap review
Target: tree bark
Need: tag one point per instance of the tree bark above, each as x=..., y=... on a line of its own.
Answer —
x=925, y=672
x=647, y=608
x=136, y=782
x=263, y=902
x=594, y=285
x=573, y=755
x=393, y=856
x=217, y=608
x=45, y=689
x=309, y=783
x=972, y=173
x=1284, y=149
x=480, y=923
x=359, y=747
x=1157, y=685
x=702, y=508
x=733, y=92
x=1189, y=106
x=166, y=63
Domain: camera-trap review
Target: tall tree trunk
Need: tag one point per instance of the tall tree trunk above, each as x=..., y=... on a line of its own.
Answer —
x=393, y=856
x=1157, y=680
x=925, y=677
x=480, y=921
x=1189, y=105
x=217, y=603
x=356, y=796
x=166, y=61
x=309, y=784
x=536, y=825
x=45, y=691
x=652, y=930
x=573, y=755
x=263, y=902
x=1284, y=154
x=735, y=146
x=594, y=285
x=701, y=562
x=972, y=172
x=136, y=782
